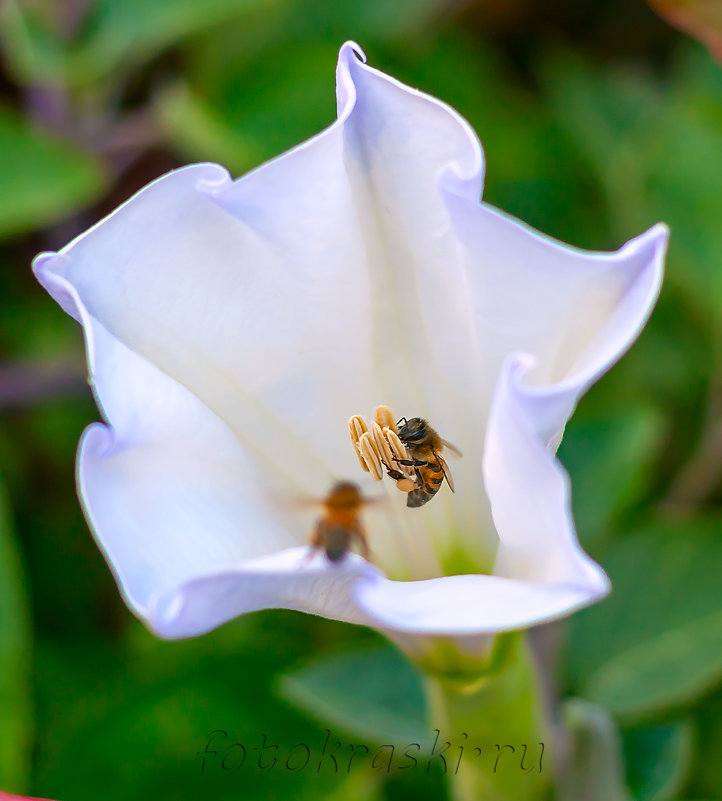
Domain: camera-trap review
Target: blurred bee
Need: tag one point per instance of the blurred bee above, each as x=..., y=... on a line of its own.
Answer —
x=424, y=447
x=340, y=524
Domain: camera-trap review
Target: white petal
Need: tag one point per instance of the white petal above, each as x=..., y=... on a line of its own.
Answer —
x=319, y=285
x=574, y=311
x=287, y=580
x=175, y=504
x=233, y=327
x=529, y=494
x=527, y=488
x=316, y=287
x=467, y=605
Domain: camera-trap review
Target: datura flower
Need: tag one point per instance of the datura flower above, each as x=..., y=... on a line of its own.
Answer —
x=234, y=326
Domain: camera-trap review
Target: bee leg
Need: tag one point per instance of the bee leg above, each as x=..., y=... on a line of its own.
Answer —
x=314, y=546
x=309, y=557
x=363, y=544
x=411, y=462
x=397, y=475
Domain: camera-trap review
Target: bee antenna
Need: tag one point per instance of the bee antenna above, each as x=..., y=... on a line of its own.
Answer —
x=402, y=421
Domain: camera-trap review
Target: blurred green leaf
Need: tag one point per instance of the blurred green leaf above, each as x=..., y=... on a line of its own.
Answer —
x=199, y=133
x=128, y=31
x=373, y=693
x=609, y=459
x=626, y=125
x=116, y=35
x=249, y=115
x=595, y=771
x=666, y=669
x=361, y=785
x=605, y=113
x=15, y=645
x=658, y=760
x=32, y=47
x=657, y=641
x=143, y=719
x=44, y=180
x=705, y=777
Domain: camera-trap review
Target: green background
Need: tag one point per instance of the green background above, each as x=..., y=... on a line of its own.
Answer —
x=597, y=121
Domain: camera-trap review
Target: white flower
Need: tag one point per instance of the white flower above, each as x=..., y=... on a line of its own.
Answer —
x=233, y=327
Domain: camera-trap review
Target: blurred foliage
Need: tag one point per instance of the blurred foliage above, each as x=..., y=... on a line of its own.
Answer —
x=597, y=121
x=43, y=179
x=373, y=693
x=15, y=659
x=700, y=18
x=643, y=651
x=595, y=769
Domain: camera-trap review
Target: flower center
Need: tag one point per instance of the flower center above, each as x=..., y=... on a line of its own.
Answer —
x=409, y=452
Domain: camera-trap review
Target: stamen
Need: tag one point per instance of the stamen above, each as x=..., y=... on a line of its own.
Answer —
x=357, y=428
x=368, y=452
x=381, y=448
x=399, y=453
x=380, y=451
x=384, y=418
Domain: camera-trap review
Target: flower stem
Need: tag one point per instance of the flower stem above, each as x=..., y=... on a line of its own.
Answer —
x=500, y=748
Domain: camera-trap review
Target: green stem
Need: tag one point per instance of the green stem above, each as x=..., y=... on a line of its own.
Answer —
x=498, y=719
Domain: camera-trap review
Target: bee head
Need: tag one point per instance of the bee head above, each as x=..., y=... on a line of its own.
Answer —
x=413, y=430
x=344, y=495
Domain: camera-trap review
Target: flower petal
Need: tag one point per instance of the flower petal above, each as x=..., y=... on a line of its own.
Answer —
x=467, y=605
x=572, y=310
x=284, y=580
x=527, y=488
x=233, y=327
x=316, y=287
x=232, y=288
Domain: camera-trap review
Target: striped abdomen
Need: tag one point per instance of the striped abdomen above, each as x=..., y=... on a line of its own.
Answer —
x=429, y=477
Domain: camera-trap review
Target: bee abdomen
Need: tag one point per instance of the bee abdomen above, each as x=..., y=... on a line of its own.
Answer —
x=432, y=478
x=419, y=497
x=337, y=544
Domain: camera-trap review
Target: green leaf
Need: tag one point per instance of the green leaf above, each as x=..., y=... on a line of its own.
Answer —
x=666, y=669
x=33, y=49
x=148, y=716
x=122, y=32
x=117, y=34
x=658, y=760
x=373, y=693
x=608, y=458
x=15, y=646
x=199, y=133
x=657, y=641
x=595, y=770
x=45, y=180
x=705, y=776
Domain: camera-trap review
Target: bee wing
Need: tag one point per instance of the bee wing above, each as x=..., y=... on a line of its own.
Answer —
x=374, y=500
x=447, y=472
x=452, y=449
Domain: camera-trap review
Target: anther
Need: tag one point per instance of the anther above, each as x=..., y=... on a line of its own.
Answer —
x=399, y=453
x=368, y=452
x=384, y=418
x=383, y=446
x=381, y=449
x=357, y=428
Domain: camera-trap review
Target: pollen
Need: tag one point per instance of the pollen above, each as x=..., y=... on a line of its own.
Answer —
x=357, y=428
x=381, y=449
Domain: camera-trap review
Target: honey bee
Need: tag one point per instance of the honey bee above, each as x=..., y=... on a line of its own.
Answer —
x=340, y=524
x=424, y=447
